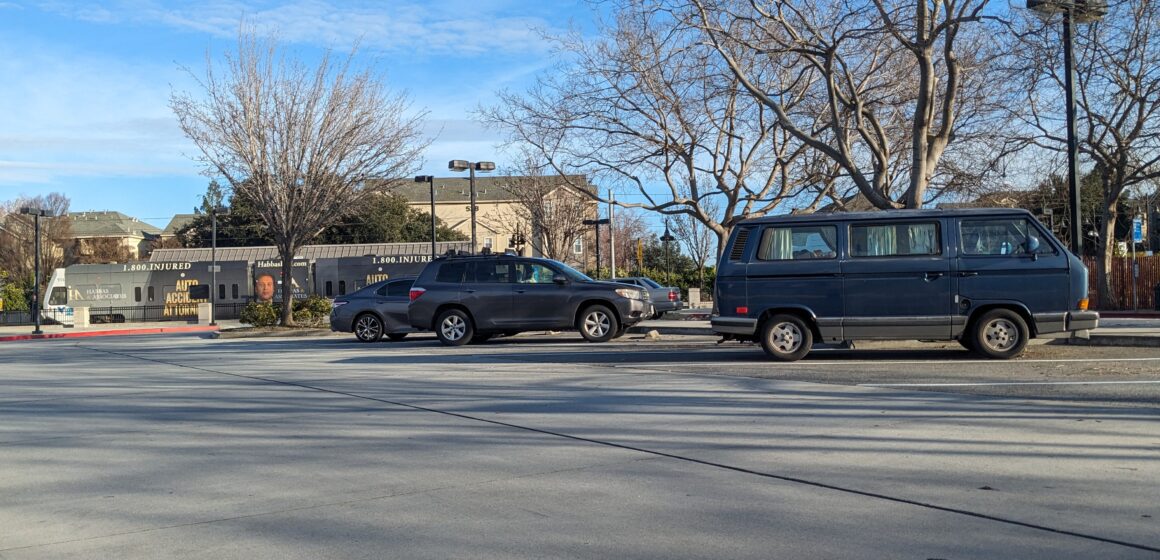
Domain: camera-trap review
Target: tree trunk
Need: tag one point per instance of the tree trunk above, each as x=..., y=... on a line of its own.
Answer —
x=1107, y=249
x=287, y=254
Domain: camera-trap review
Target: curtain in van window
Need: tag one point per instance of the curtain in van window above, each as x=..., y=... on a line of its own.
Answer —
x=881, y=241
x=777, y=245
x=922, y=239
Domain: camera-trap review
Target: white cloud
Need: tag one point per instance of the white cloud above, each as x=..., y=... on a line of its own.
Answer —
x=434, y=28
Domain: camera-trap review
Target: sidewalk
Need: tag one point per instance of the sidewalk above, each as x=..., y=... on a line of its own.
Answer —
x=24, y=332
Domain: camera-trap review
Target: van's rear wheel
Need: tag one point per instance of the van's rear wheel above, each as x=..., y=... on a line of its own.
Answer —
x=1000, y=334
x=786, y=338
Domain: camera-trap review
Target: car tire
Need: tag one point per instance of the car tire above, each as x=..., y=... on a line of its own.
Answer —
x=395, y=337
x=658, y=315
x=786, y=338
x=597, y=323
x=1000, y=334
x=368, y=328
x=454, y=327
x=620, y=332
x=967, y=340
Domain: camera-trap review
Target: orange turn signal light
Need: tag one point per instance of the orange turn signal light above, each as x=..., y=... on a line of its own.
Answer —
x=1083, y=304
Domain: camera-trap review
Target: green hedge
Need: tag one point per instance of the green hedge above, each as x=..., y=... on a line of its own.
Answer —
x=259, y=314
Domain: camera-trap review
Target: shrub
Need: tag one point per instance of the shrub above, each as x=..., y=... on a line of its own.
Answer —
x=311, y=311
x=259, y=314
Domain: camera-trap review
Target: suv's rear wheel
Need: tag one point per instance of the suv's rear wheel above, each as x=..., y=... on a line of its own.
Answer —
x=597, y=324
x=368, y=328
x=786, y=338
x=454, y=327
x=1000, y=334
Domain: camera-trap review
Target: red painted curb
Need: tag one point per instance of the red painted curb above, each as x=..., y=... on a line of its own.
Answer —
x=118, y=332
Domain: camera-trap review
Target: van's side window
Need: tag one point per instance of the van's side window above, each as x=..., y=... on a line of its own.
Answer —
x=892, y=240
x=798, y=243
x=1002, y=236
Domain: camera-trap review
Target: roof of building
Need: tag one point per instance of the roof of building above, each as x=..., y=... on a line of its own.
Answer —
x=179, y=221
x=109, y=224
x=458, y=189
x=309, y=252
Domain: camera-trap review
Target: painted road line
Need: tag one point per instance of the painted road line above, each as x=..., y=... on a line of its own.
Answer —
x=1008, y=383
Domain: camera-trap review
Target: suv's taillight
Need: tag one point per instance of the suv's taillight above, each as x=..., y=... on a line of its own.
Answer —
x=674, y=295
x=416, y=292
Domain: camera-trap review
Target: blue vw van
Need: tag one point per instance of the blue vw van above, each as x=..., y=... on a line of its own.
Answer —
x=989, y=278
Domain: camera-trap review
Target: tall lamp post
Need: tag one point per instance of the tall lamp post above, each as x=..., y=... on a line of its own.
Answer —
x=214, y=268
x=430, y=180
x=472, y=166
x=666, y=239
x=36, y=214
x=1074, y=11
x=597, y=223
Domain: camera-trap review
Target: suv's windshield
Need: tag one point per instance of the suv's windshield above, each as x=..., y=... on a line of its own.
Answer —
x=571, y=273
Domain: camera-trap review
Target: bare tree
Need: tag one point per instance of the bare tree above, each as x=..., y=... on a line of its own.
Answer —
x=646, y=107
x=1117, y=68
x=698, y=240
x=97, y=251
x=886, y=84
x=549, y=210
x=17, y=237
x=303, y=144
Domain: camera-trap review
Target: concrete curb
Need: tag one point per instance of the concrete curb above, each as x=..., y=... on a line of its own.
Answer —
x=114, y=332
x=1112, y=340
x=273, y=333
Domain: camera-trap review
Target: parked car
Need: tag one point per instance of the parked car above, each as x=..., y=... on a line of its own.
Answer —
x=466, y=298
x=989, y=278
x=374, y=311
x=664, y=299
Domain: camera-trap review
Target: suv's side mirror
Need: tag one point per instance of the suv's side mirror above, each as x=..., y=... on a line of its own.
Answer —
x=559, y=279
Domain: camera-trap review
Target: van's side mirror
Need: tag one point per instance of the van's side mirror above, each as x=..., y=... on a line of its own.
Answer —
x=1031, y=245
x=560, y=279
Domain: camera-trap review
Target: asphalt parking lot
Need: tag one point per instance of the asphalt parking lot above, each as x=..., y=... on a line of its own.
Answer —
x=542, y=446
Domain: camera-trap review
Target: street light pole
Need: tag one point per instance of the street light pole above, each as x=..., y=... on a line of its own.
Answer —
x=666, y=239
x=213, y=267
x=597, y=223
x=1082, y=11
x=471, y=167
x=430, y=180
x=36, y=214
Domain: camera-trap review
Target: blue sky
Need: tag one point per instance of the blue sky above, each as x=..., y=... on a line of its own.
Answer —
x=85, y=86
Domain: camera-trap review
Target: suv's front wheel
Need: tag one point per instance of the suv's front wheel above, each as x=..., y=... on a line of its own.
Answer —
x=597, y=323
x=454, y=327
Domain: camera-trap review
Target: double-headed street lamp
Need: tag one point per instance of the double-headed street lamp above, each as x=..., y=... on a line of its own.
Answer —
x=472, y=166
x=36, y=214
x=430, y=180
x=665, y=240
x=1074, y=11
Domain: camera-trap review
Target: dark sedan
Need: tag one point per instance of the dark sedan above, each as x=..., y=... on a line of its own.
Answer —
x=376, y=310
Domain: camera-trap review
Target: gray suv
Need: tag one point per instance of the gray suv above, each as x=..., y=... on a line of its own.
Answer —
x=472, y=298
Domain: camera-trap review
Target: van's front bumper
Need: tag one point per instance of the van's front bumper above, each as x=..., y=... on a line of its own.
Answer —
x=734, y=325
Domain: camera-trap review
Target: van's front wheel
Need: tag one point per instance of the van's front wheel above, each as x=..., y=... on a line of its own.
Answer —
x=786, y=338
x=1000, y=333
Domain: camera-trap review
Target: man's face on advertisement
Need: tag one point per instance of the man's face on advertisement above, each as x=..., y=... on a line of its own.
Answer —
x=264, y=287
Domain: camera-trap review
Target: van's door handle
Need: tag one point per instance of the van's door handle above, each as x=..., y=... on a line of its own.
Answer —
x=933, y=276
x=966, y=274
x=470, y=291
